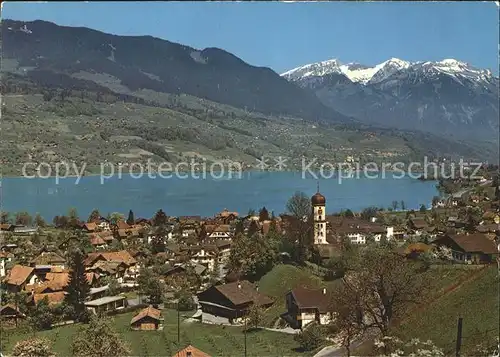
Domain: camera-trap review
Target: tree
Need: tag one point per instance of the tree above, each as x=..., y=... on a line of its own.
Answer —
x=150, y=286
x=263, y=214
x=310, y=338
x=253, y=228
x=39, y=221
x=42, y=317
x=423, y=209
x=115, y=217
x=395, y=205
x=369, y=212
x=94, y=216
x=255, y=315
x=348, y=213
x=73, y=218
x=130, y=219
x=348, y=321
x=383, y=285
x=23, y=218
x=300, y=227
x=33, y=347
x=253, y=256
x=160, y=218
x=113, y=286
x=60, y=221
x=299, y=205
x=98, y=339
x=4, y=217
x=78, y=287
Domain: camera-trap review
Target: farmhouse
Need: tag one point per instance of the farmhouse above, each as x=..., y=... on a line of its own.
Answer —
x=308, y=305
x=232, y=300
x=470, y=248
x=19, y=277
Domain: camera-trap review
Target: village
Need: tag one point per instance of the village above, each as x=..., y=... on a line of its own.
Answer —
x=203, y=286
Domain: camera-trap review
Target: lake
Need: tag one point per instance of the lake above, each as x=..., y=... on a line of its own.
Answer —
x=205, y=197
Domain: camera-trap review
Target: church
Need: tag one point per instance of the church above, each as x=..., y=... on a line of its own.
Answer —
x=318, y=203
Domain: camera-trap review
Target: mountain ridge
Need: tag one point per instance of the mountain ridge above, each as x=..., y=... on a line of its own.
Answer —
x=169, y=67
x=447, y=97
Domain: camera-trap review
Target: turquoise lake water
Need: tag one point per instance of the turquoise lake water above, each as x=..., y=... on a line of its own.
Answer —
x=205, y=197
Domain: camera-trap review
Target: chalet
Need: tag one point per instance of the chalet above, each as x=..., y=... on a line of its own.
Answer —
x=90, y=227
x=203, y=255
x=227, y=217
x=10, y=311
x=51, y=259
x=143, y=222
x=223, y=249
x=190, y=351
x=19, y=277
x=106, y=304
x=54, y=298
x=488, y=228
x=221, y=231
x=473, y=248
x=103, y=224
x=308, y=305
x=418, y=226
x=120, y=258
x=147, y=320
x=109, y=269
x=232, y=300
x=97, y=242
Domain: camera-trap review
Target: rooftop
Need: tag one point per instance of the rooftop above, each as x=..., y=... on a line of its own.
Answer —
x=104, y=300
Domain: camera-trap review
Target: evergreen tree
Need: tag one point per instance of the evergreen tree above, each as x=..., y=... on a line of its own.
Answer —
x=160, y=218
x=94, y=216
x=263, y=214
x=78, y=286
x=253, y=228
x=130, y=219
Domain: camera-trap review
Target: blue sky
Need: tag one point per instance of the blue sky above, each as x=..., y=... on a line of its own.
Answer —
x=285, y=35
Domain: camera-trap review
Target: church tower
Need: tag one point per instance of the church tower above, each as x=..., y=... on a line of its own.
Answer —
x=318, y=203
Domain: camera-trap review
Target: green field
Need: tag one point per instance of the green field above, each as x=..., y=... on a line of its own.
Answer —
x=214, y=340
x=476, y=301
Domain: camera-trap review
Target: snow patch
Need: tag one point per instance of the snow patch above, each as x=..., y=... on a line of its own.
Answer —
x=25, y=29
x=197, y=57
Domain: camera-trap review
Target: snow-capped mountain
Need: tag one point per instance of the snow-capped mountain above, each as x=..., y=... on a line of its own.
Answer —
x=448, y=97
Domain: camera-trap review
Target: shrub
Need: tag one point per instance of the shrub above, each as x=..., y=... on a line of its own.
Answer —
x=310, y=338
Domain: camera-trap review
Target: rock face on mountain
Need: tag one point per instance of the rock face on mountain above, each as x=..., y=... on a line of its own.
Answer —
x=449, y=97
x=129, y=63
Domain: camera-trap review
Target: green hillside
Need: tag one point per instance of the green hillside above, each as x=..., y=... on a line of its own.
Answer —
x=475, y=300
